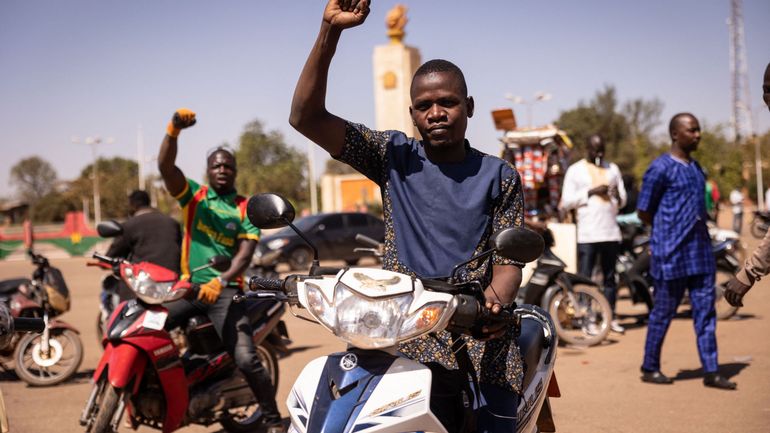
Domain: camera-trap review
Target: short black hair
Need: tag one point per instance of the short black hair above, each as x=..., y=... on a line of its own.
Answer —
x=139, y=198
x=220, y=149
x=675, y=122
x=441, y=65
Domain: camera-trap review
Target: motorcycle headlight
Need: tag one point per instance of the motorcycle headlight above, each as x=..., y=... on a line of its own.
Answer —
x=370, y=323
x=149, y=290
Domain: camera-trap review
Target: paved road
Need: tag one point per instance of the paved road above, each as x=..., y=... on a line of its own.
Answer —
x=600, y=386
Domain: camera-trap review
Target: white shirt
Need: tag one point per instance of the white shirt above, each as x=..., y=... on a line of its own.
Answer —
x=736, y=199
x=595, y=215
x=767, y=199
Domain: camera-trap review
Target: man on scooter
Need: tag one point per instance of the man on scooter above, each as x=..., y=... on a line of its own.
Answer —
x=215, y=224
x=442, y=200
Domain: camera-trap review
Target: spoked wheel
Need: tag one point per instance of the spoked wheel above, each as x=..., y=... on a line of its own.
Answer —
x=582, y=319
x=724, y=309
x=248, y=418
x=44, y=368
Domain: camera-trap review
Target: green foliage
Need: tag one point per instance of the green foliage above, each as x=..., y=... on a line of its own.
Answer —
x=117, y=178
x=336, y=167
x=267, y=164
x=721, y=158
x=34, y=177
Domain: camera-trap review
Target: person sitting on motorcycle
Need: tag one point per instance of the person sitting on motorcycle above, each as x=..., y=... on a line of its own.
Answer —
x=442, y=200
x=148, y=236
x=215, y=224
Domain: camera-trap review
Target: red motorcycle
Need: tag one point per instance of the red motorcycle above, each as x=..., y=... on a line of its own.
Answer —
x=54, y=355
x=166, y=382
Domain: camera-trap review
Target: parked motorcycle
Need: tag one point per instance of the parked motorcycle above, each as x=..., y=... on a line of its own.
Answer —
x=144, y=373
x=9, y=326
x=55, y=355
x=760, y=223
x=580, y=311
x=633, y=265
x=114, y=291
x=371, y=386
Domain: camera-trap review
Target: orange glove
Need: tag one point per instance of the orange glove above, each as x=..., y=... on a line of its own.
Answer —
x=210, y=291
x=183, y=118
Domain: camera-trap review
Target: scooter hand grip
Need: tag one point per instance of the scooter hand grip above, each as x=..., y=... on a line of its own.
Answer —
x=257, y=283
x=28, y=324
x=366, y=240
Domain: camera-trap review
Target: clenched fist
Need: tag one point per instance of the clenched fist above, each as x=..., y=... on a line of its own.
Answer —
x=344, y=14
x=183, y=118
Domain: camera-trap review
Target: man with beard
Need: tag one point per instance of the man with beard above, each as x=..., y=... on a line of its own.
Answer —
x=671, y=200
x=442, y=199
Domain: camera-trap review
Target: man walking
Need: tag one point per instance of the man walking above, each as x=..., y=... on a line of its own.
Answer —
x=594, y=188
x=671, y=201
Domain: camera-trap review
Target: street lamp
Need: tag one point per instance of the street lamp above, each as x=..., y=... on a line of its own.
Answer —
x=93, y=142
x=539, y=96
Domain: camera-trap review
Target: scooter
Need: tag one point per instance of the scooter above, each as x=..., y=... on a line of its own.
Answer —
x=9, y=326
x=54, y=355
x=371, y=387
x=580, y=311
x=144, y=373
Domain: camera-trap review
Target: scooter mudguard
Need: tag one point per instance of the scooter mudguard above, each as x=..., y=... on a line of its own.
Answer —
x=127, y=365
x=362, y=391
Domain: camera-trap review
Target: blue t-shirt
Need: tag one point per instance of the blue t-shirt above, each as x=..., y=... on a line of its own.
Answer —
x=439, y=213
x=672, y=191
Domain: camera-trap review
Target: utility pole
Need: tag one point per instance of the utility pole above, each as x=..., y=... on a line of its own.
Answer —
x=742, y=117
x=93, y=142
x=140, y=156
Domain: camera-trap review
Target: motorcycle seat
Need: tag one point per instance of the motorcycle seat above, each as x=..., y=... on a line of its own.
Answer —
x=11, y=286
x=532, y=342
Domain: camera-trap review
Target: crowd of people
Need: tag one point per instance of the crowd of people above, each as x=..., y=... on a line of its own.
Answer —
x=423, y=181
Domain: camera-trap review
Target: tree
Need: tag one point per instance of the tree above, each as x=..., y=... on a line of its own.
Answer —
x=336, y=167
x=34, y=177
x=117, y=178
x=267, y=164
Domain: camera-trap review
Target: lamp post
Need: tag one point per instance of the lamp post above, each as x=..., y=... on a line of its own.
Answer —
x=538, y=97
x=93, y=142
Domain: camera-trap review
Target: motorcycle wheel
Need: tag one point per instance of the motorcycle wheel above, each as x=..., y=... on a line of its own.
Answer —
x=38, y=369
x=248, y=419
x=758, y=228
x=106, y=404
x=723, y=308
x=585, y=324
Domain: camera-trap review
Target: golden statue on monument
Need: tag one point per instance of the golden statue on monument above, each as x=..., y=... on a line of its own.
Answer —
x=396, y=21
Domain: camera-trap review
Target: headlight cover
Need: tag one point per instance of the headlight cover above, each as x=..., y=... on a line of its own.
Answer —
x=372, y=323
x=149, y=290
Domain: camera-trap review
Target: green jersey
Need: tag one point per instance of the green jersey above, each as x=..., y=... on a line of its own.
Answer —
x=212, y=225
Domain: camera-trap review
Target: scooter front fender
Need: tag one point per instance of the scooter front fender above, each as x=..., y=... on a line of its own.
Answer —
x=123, y=363
x=60, y=324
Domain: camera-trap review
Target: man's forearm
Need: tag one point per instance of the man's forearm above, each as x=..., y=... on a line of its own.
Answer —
x=758, y=264
x=173, y=177
x=506, y=280
x=241, y=260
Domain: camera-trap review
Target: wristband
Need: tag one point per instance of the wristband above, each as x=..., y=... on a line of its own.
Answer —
x=172, y=131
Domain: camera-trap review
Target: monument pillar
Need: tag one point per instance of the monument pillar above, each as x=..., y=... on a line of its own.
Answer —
x=394, y=64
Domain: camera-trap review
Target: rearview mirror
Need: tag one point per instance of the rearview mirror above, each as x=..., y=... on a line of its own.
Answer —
x=269, y=211
x=109, y=229
x=517, y=243
x=220, y=263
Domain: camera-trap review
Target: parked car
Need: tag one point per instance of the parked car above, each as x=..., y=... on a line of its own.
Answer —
x=334, y=234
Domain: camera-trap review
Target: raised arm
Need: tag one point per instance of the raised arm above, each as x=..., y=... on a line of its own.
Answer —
x=172, y=175
x=309, y=115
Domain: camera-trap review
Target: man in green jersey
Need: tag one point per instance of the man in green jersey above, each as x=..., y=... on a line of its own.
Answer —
x=214, y=223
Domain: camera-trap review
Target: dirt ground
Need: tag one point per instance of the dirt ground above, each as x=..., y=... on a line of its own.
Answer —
x=601, y=390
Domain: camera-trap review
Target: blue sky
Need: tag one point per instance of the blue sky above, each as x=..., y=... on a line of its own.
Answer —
x=83, y=68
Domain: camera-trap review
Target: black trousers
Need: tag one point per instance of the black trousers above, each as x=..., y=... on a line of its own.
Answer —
x=234, y=328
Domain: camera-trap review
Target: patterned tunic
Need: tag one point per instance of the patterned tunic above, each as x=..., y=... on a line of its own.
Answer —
x=494, y=201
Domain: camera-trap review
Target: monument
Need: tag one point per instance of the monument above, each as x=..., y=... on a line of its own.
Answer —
x=394, y=64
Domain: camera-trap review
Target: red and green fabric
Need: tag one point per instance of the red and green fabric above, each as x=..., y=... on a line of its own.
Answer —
x=212, y=225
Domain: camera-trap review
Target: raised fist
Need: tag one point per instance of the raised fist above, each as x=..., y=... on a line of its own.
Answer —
x=344, y=14
x=183, y=118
